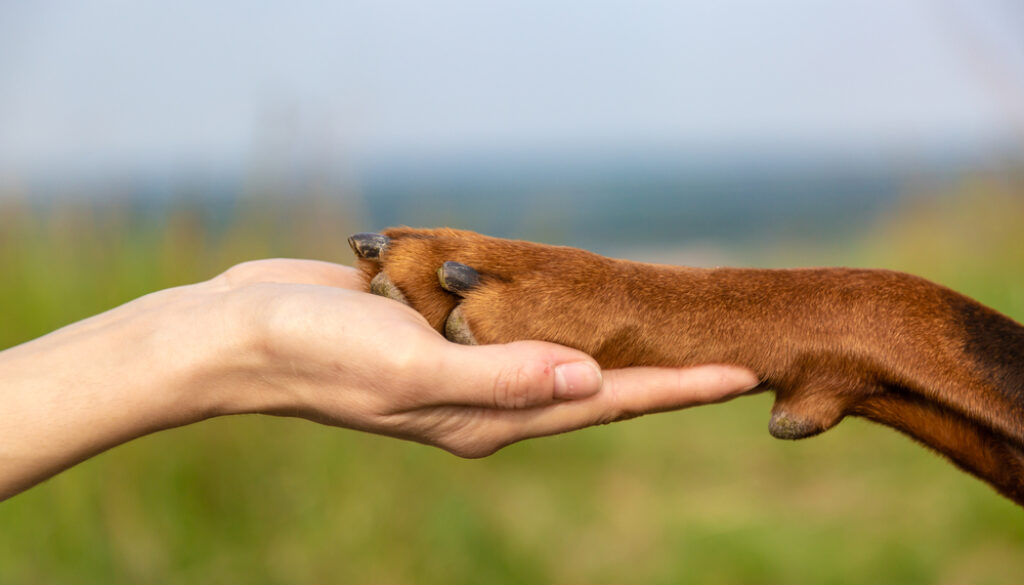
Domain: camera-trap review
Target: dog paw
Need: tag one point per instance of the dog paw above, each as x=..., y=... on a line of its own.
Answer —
x=477, y=289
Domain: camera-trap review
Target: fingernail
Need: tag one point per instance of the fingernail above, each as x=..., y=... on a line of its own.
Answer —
x=746, y=381
x=577, y=380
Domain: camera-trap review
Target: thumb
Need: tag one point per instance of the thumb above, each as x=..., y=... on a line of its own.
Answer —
x=515, y=375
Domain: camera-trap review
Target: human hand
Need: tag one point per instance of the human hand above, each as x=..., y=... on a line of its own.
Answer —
x=347, y=358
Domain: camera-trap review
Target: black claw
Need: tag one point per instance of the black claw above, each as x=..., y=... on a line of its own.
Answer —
x=457, y=278
x=369, y=246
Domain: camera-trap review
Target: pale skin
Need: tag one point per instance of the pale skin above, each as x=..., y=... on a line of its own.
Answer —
x=300, y=338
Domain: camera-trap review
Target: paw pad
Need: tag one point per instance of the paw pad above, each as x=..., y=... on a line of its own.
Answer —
x=785, y=426
x=456, y=329
x=382, y=286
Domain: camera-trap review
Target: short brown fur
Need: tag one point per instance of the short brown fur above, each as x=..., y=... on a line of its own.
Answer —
x=831, y=342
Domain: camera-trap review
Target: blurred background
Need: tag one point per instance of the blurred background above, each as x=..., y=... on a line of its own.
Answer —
x=145, y=145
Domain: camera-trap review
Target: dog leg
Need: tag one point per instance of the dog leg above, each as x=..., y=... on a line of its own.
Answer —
x=972, y=447
x=830, y=342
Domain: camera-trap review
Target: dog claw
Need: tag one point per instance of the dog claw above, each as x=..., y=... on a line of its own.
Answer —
x=457, y=278
x=369, y=246
x=382, y=286
x=456, y=329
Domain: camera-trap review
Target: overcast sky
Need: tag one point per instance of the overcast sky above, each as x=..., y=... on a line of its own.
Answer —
x=123, y=83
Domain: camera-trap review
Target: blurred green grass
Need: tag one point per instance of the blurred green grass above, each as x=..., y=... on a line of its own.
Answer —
x=703, y=495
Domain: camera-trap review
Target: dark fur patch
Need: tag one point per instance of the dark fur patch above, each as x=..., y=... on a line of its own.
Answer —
x=996, y=344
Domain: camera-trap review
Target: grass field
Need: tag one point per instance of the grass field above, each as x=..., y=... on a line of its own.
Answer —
x=700, y=496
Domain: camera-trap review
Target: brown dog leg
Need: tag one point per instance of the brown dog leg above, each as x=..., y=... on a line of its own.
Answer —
x=972, y=447
x=830, y=342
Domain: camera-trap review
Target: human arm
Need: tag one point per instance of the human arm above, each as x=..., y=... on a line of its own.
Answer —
x=299, y=338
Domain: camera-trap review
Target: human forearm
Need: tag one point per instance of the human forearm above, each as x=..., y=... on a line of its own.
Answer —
x=89, y=386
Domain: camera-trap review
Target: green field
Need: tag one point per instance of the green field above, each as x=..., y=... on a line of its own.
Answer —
x=700, y=496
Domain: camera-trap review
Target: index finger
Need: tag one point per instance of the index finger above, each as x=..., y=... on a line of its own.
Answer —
x=294, y=271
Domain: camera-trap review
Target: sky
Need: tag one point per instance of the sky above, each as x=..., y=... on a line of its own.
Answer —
x=123, y=84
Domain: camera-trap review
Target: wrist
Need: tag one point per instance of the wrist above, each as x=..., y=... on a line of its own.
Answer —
x=231, y=366
x=178, y=352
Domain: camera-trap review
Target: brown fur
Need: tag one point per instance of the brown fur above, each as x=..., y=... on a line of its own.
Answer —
x=831, y=342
